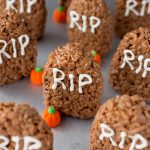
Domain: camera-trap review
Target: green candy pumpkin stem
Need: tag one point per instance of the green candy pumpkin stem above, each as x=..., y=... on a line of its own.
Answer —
x=51, y=110
x=94, y=53
x=38, y=69
x=61, y=8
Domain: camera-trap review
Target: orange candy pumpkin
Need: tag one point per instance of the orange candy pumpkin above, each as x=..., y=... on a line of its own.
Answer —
x=36, y=76
x=59, y=15
x=96, y=57
x=52, y=117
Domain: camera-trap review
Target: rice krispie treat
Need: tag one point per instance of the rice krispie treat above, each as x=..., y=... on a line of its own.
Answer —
x=90, y=23
x=21, y=128
x=33, y=10
x=122, y=122
x=72, y=81
x=130, y=15
x=18, y=49
x=130, y=66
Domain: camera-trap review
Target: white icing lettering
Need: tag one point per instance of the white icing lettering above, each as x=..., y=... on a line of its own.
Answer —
x=3, y=51
x=74, y=22
x=138, y=141
x=144, y=64
x=10, y=4
x=146, y=67
x=30, y=4
x=84, y=79
x=5, y=142
x=30, y=143
x=107, y=132
x=58, y=80
x=84, y=28
x=94, y=23
x=14, y=48
x=123, y=137
x=128, y=58
x=21, y=6
x=83, y=83
x=143, y=9
x=16, y=140
x=71, y=76
x=131, y=6
x=135, y=139
x=140, y=59
x=23, y=41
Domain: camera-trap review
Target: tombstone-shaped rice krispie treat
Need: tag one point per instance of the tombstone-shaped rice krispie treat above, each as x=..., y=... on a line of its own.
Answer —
x=122, y=122
x=90, y=23
x=21, y=128
x=18, y=49
x=72, y=81
x=33, y=10
x=130, y=15
x=130, y=66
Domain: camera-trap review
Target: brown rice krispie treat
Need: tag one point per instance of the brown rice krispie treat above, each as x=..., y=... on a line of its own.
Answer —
x=130, y=67
x=21, y=125
x=130, y=15
x=18, y=49
x=72, y=81
x=90, y=23
x=122, y=122
x=33, y=10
